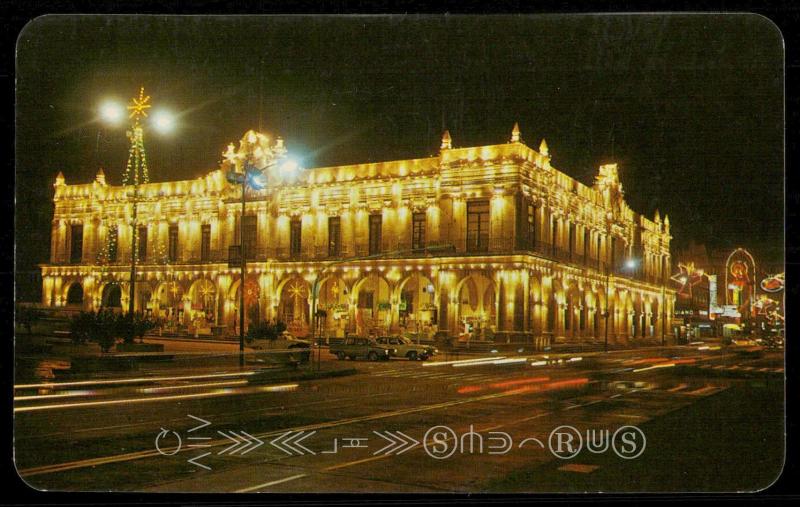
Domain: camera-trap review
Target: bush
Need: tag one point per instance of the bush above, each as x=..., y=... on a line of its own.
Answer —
x=132, y=326
x=98, y=327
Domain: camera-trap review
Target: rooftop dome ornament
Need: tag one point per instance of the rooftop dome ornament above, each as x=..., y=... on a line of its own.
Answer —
x=447, y=141
x=515, y=133
x=60, y=179
x=101, y=177
x=543, y=149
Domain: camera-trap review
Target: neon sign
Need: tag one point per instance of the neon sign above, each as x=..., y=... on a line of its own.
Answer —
x=773, y=283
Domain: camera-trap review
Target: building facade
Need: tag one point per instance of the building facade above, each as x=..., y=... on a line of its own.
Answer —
x=490, y=241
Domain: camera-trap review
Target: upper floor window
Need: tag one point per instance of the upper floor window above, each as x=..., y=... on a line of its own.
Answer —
x=531, y=225
x=572, y=238
x=586, y=241
x=249, y=238
x=205, y=242
x=173, y=243
x=418, y=231
x=478, y=226
x=375, y=223
x=76, y=243
x=141, y=243
x=295, y=232
x=334, y=237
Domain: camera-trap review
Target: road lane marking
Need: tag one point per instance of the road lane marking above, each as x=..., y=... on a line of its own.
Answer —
x=271, y=483
x=209, y=394
x=60, y=467
x=56, y=385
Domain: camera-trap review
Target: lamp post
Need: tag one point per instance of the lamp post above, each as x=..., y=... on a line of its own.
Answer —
x=254, y=176
x=136, y=169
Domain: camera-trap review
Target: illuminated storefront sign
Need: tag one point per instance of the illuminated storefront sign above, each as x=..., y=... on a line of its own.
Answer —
x=773, y=283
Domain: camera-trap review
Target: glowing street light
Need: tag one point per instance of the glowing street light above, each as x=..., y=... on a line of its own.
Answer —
x=163, y=122
x=630, y=264
x=111, y=112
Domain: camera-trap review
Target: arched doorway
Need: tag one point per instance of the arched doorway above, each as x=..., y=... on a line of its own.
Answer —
x=373, y=306
x=417, y=311
x=202, y=303
x=333, y=306
x=293, y=307
x=75, y=295
x=167, y=302
x=477, y=308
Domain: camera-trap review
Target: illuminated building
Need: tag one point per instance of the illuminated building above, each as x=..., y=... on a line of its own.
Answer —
x=491, y=239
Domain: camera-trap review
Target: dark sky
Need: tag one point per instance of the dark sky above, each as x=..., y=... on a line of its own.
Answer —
x=691, y=107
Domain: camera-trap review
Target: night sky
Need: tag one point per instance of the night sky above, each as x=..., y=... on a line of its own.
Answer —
x=690, y=107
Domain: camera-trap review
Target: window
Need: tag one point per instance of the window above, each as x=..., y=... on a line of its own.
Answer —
x=531, y=229
x=554, y=233
x=418, y=231
x=613, y=260
x=571, y=239
x=375, y=222
x=205, y=242
x=141, y=243
x=295, y=231
x=76, y=243
x=334, y=236
x=478, y=226
x=113, y=238
x=173, y=243
x=249, y=238
x=586, y=241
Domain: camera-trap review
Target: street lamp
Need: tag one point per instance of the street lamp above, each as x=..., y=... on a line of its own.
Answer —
x=255, y=177
x=136, y=169
x=111, y=112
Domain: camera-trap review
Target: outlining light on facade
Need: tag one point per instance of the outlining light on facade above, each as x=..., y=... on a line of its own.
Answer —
x=491, y=240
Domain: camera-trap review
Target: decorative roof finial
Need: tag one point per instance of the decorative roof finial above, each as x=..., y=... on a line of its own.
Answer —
x=666, y=221
x=515, y=133
x=658, y=217
x=543, y=148
x=447, y=141
x=101, y=177
x=60, y=179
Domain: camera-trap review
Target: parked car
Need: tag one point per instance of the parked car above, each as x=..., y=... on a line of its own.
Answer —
x=407, y=348
x=354, y=347
x=300, y=349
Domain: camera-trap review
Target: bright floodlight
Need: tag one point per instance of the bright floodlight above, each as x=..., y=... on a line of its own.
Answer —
x=289, y=166
x=111, y=112
x=163, y=122
x=630, y=264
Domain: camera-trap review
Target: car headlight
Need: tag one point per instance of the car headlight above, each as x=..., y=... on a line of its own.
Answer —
x=386, y=351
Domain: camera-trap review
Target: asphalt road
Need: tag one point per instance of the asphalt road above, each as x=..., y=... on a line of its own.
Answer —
x=467, y=424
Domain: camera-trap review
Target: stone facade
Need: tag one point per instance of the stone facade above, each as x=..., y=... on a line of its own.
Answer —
x=488, y=239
